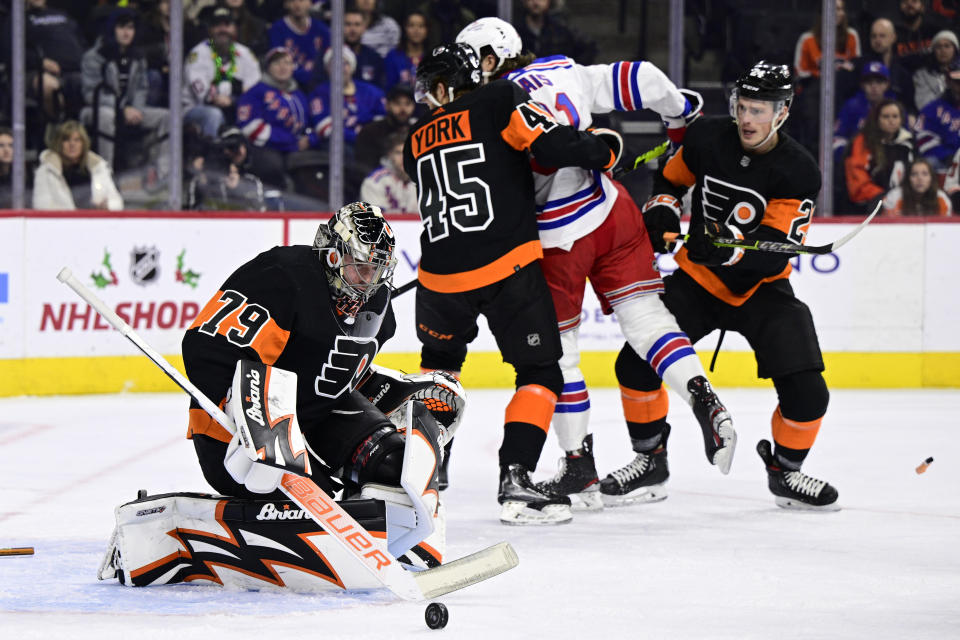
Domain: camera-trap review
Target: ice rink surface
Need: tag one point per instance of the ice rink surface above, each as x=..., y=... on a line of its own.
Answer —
x=716, y=560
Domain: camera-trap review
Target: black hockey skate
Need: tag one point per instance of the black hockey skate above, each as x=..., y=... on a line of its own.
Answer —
x=577, y=479
x=796, y=490
x=643, y=479
x=523, y=503
x=719, y=438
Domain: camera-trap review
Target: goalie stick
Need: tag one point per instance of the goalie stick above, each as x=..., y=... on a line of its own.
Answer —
x=367, y=550
x=780, y=247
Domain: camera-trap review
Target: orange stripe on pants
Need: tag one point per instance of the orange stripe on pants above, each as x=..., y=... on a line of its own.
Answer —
x=793, y=434
x=532, y=404
x=644, y=406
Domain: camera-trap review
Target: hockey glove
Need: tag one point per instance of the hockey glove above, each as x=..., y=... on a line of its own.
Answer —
x=700, y=247
x=677, y=125
x=439, y=391
x=614, y=141
x=661, y=214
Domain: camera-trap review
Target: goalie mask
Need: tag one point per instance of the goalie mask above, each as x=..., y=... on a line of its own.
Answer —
x=456, y=65
x=356, y=247
x=764, y=82
x=492, y=36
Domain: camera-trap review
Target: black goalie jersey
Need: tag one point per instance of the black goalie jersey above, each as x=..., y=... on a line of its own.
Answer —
x=277, y=309
x=475, y=186
x=766, y=196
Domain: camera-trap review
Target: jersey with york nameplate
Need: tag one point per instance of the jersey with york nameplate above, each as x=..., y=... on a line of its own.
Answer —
x=767, y=196
x=277, y=309
x=572, y=202
x=474, y=182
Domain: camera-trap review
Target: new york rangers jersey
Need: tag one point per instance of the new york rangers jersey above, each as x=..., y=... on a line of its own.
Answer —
x=572, y=202
x=271, y=117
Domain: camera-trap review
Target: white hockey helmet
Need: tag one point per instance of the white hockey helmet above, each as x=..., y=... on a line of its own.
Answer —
x=492, y=36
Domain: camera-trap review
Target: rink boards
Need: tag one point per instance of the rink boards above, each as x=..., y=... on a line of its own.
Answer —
x=886, y=306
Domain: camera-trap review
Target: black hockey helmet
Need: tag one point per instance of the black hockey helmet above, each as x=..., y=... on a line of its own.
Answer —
x=456, y=65
x=765, y=81
x=356, y=247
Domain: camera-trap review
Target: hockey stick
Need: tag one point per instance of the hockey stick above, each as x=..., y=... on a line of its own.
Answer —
x=326, y=512
x=780, y=247
x=406, y=286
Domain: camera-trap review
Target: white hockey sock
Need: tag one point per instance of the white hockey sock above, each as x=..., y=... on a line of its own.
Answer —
x=572, y=414
x=652, y=331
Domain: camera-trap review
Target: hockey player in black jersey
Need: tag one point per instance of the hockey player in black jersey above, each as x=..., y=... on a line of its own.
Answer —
x=321, y=312
x=751, y=180
x=480, y=248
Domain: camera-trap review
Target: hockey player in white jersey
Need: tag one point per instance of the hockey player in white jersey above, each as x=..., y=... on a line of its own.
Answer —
x=590, y=228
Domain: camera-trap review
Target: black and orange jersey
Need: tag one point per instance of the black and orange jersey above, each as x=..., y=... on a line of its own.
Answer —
x=475, y=185
x=767, y=196
x=277, y=309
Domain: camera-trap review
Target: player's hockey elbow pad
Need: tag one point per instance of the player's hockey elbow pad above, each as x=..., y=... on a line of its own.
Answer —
x=661, y=214
x=614, y=140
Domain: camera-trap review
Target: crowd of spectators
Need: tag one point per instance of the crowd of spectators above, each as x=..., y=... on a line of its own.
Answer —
x=258, y=114
x=255, y=98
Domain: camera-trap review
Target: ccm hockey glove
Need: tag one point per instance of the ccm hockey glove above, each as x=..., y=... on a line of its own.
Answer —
x=661, y=214
x=614, y=141
x=700, y=247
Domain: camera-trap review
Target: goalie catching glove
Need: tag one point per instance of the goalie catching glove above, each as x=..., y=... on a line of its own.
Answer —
x=440, y=392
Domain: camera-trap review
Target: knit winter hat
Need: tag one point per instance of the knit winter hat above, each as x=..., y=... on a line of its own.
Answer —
x=946, y=34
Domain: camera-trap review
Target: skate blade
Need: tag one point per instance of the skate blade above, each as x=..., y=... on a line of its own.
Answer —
x=653, y=493
x=723, y=458
x=520, y=514
x=797, y=505
x=586, y=500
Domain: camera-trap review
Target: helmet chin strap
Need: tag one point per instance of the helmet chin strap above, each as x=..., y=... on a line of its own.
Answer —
x=773, y=130
x=436, y=103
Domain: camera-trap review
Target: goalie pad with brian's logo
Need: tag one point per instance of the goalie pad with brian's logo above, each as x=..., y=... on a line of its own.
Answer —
x=245, y=544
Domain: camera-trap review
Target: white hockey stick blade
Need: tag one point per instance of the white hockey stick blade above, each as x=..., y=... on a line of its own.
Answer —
x=468, y=570
x=836, y=244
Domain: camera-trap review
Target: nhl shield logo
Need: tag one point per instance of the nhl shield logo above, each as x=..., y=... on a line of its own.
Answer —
x=533, y=339
x=145, y=265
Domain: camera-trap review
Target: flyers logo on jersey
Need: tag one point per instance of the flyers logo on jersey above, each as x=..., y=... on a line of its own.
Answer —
x=345, y=365
x=732, y=204
x=454, y=127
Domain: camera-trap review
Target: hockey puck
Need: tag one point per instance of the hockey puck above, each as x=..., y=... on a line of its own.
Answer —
x=436, y=615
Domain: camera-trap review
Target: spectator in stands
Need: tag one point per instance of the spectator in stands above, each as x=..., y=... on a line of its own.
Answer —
x=115, y=87
x=70, y=176
x=223, y=184
x=883, y=37
x=304, y=36
x=807, y=56
x=938, y=125
x=251, y=30
x=372, y=139
x=879, y=155
x=369, y=66
x=930, y=80
x=445, y=19
x=546, y=35
x=389, y=187
x=362, y=102
x=381, y=33
x=6, y=167
x=919, y=194
x=153, y=38
x=54, y=47
x=915, y=31
x=273, y=116
x=401, y=63
x=216, y=72
x=874, y=87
